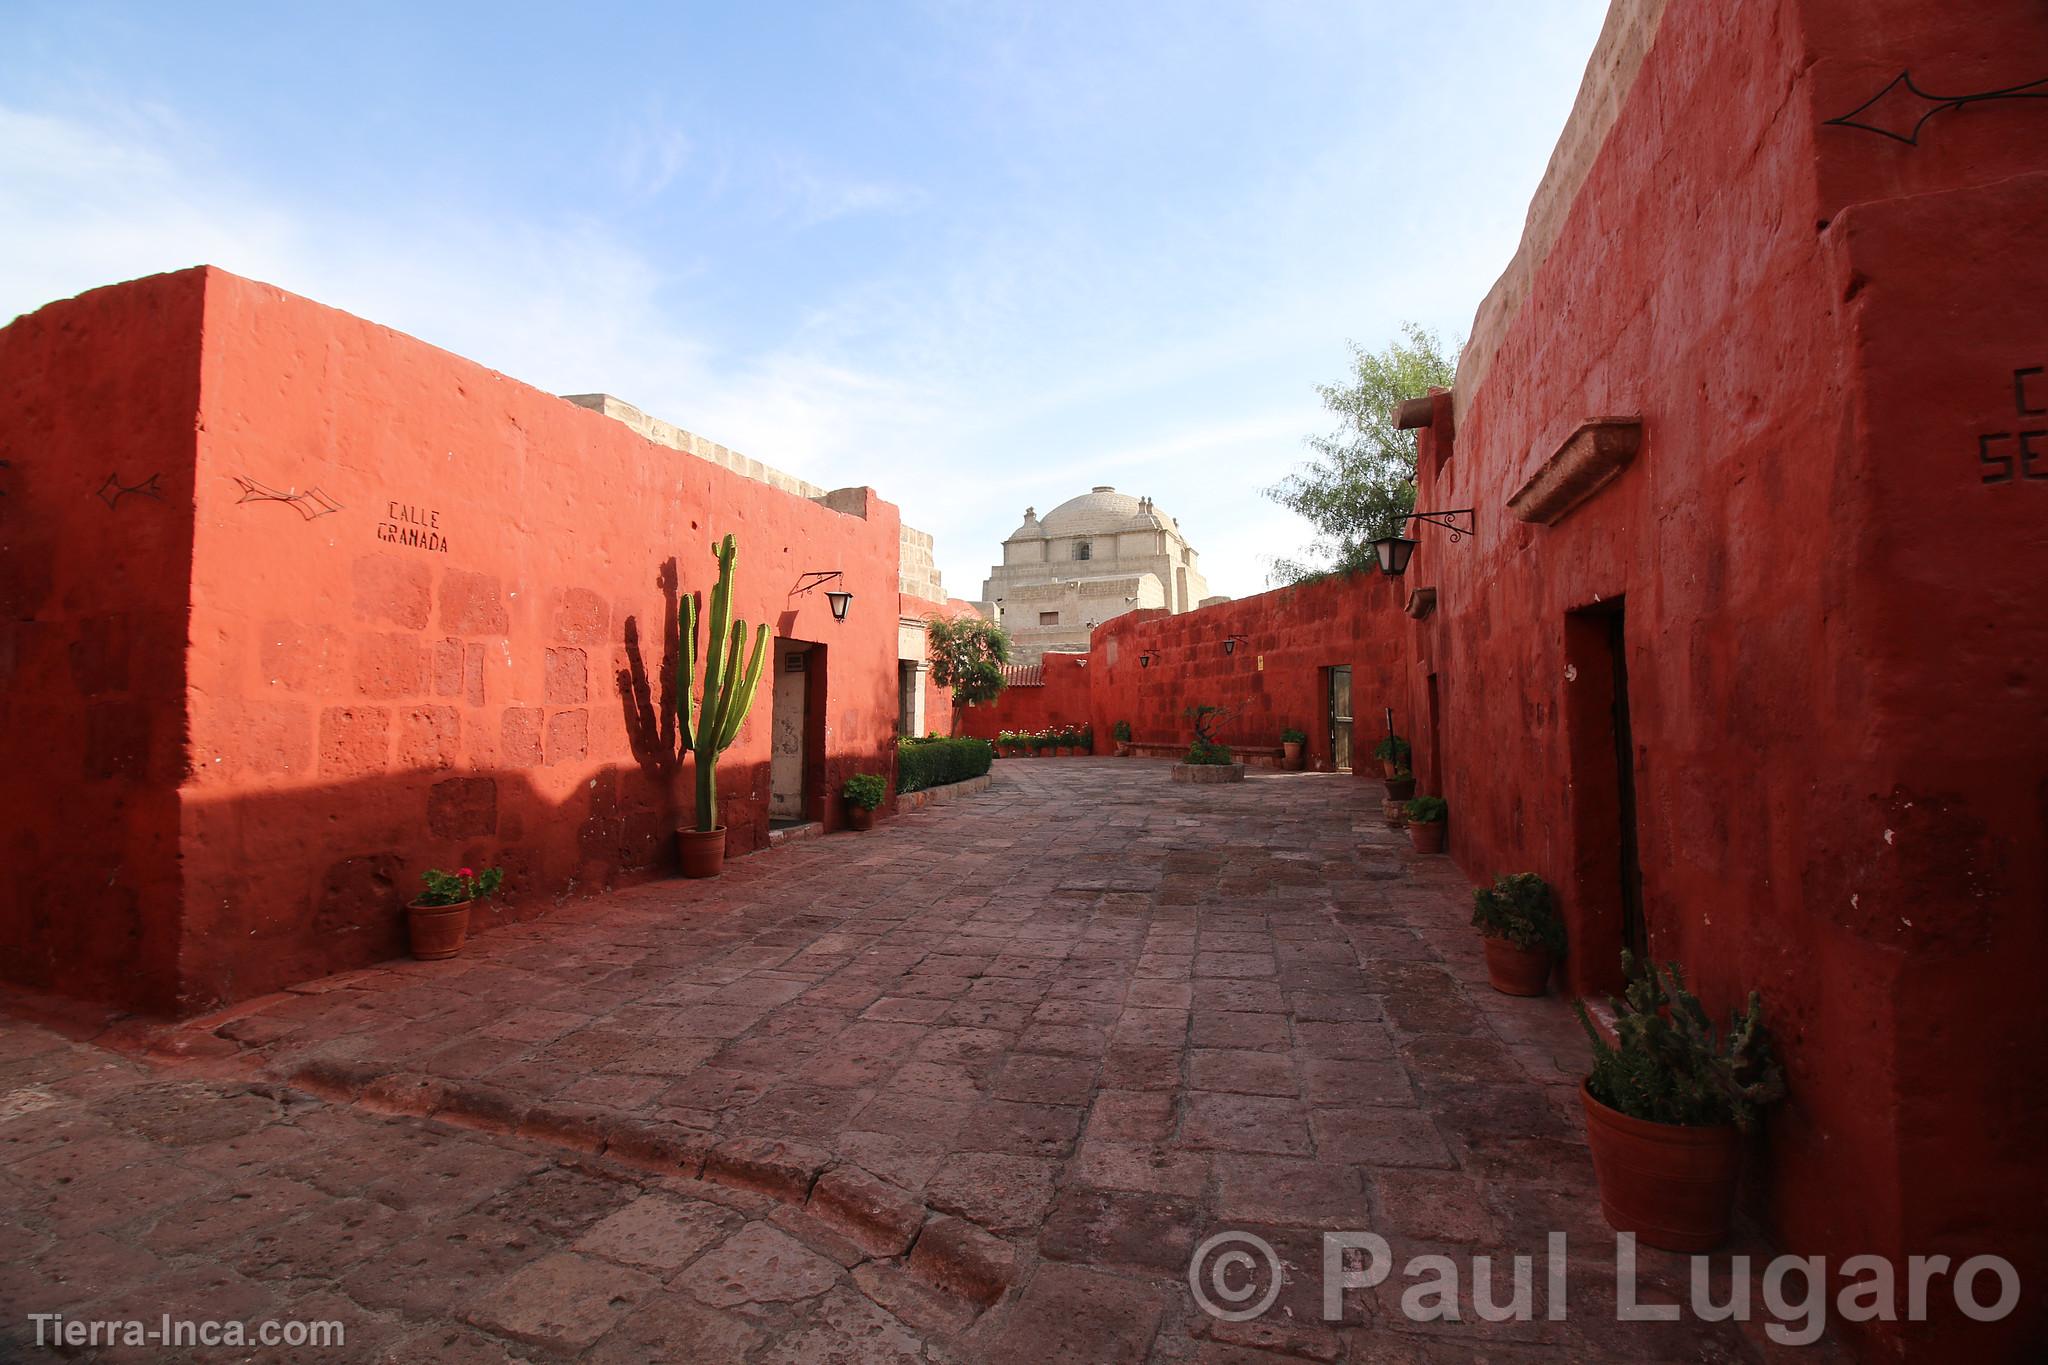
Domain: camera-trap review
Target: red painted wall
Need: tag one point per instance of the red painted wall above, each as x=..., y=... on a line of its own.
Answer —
x=1062, y=700
x=1276, y=678
x=1833, y=625
x=360, y=708
x=96, y=394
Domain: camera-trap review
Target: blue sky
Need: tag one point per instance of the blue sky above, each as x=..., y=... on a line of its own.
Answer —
x=978, y=255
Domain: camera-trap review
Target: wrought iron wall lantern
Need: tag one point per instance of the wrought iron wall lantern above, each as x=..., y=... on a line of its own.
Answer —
x=839, y=599
x=1230, y=643
x=1394, y=551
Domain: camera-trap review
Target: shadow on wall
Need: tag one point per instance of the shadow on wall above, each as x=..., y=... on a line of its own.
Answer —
x=651, y=715
x=319, y=877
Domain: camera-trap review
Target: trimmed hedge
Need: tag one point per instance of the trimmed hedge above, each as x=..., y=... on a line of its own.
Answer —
x=934, y=762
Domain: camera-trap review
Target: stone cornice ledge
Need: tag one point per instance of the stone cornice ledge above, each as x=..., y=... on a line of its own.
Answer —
x=1587, y=462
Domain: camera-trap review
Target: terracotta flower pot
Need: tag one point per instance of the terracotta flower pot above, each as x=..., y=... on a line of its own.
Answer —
x=1123, y=750
x=1427, y=835
x=1291, y=749
x=437, y=931
x=1388, y=767
x=1672, y=1185
x=1393, y=813
x=702, y=851
x=859, y=817
x=1515, y=970
x=1400, y=788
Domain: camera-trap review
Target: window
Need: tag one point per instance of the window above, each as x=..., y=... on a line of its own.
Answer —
x=1083, y=550
x=1048, y=618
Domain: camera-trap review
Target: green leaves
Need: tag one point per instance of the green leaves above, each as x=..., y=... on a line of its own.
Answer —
x=1519, y=907
x=967, y=656
x=865, y=790
x=1361, y=485
x=1670, y=1067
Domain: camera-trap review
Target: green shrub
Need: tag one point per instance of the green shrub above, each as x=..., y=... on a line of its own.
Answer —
x=1293, y=736
x=1670, y=1067
x=1203, y=751
x=460, y=886
x=1121, y=732
x=922, y=763
x=1519, y=908
x=865, y=789
x=1392, y=747
x=1425, y=810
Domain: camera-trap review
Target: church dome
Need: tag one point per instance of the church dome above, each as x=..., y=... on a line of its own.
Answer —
x=1100, y=511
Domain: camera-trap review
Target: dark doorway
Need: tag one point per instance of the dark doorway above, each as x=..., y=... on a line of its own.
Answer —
x=1634, y=936
x=1340, y=717
x=1608, y=892
x=1436, y=743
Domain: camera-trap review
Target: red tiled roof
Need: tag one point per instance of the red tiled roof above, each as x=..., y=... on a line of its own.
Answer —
x=1023, y=675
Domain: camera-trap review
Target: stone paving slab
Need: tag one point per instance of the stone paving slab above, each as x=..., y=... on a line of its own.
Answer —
x=972, y=1086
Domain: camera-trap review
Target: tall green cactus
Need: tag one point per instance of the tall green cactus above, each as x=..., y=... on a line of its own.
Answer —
x=708, y=729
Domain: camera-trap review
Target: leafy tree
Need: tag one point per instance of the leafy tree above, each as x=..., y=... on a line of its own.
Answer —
x=967, y=656
x=1362, y=482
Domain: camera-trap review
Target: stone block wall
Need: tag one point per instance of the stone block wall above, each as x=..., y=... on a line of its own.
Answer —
x=427, y=608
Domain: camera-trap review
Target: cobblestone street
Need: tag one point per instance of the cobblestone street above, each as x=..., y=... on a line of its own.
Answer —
x=971, y=1087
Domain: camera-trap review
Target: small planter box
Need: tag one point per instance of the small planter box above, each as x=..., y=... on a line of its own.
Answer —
x=1206, y=774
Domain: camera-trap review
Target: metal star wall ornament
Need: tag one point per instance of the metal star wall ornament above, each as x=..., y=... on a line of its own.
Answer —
x=113, y=490
x=311, y=504
x=1906, y=106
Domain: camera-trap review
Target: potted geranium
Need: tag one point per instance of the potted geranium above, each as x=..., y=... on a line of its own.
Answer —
x=437, y=921
x=1392, y=752
x=863, y=793
x=1426, y=823
x=1121, y=733
x=1667, y=1106
x=1523, y=932
x=1291, y=741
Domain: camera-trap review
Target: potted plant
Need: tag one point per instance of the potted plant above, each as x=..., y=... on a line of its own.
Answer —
x=1087, y=739
x=1401, y=786
x=1392, y=752
x=708, y=729
x=1209, y=759
x=1291, y=741
x=863, y=793
x=1425, y=816
x=1667, y=1105
x=1121, y=733
x=1523, y=932
x=437, y=921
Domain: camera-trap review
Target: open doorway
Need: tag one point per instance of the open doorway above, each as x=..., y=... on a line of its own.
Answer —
x=1435, y=739
x=1607, y=871
x=1340, y=717
x=790, y=725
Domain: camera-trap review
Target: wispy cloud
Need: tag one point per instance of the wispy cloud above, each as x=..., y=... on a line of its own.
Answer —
x=1129, y=263
x=651, y=152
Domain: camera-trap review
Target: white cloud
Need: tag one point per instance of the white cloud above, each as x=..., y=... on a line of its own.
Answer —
x=1009, y=341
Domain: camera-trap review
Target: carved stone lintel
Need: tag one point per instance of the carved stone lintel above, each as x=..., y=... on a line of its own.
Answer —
x=1589, y=459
